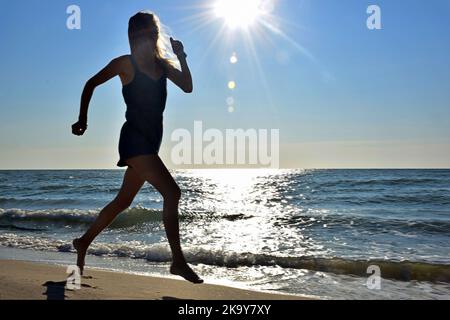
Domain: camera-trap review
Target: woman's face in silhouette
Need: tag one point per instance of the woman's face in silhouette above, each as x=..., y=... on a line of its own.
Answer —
x=146, y=38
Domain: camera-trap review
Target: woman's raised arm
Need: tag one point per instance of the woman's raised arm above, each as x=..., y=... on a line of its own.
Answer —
x=183, y=78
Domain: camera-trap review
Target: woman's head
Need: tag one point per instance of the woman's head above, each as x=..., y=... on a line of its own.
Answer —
x=145, y=32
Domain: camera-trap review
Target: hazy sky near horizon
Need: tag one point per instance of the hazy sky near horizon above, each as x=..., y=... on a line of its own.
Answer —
x=342, y=96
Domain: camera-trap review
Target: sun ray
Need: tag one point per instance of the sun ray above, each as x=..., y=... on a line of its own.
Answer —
x=261, y=73
x=299, y=47
x=212, y=43
x=202, y=16
x=247, y=18
x=259, y=34
x=199, y=26
x=325, y=73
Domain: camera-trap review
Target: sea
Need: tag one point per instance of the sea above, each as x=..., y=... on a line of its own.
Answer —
x=324, y=233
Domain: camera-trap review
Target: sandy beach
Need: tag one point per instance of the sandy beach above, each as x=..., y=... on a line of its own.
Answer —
x=29, y=280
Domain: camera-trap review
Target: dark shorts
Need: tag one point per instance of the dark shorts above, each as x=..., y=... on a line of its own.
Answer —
x=135, y=141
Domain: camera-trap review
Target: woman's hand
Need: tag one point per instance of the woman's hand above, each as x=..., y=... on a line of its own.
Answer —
x=177, y=48
x=78, y=128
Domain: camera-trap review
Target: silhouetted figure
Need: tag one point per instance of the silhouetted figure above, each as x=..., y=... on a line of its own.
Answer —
x=144, y=76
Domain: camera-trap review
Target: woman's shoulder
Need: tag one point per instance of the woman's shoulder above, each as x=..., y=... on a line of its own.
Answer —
x=123, y=58
x=121, y=61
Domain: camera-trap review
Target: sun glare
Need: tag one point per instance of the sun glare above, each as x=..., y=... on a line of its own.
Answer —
x=238, y=13
x=257, y=23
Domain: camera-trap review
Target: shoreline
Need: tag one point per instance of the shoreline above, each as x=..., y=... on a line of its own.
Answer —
x=23, y=280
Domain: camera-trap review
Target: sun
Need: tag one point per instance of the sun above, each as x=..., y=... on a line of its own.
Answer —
x=238, y=13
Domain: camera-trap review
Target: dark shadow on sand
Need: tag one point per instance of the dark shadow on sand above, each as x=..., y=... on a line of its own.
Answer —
x=55, y=290
x=174, y=298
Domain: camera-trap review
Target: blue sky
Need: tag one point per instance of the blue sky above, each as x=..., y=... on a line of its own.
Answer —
x=367, y=98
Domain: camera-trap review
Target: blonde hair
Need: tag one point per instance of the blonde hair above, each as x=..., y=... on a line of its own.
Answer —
x=163, y=51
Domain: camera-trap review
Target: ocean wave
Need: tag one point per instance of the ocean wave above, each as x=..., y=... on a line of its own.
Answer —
x=397, y=270
x=367, y=223
x=427, y=198
x=28, y=218
x=13, y=227
x=369, y=197
x=51, y=187
x=51, y=217
x=37, y=202
x=382, y=181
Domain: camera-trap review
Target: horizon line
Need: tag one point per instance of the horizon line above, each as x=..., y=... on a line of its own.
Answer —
x=241, y=168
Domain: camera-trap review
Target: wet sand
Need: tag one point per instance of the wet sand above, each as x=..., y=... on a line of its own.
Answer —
x=29, y=280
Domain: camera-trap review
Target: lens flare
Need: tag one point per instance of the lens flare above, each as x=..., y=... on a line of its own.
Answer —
x=233, y=59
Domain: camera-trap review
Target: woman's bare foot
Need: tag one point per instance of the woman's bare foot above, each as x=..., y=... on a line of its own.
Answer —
x=81, y=253
x=183, y=270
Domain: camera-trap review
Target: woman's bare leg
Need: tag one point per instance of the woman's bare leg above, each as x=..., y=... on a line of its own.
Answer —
x=131, y=185
x=151, y=168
